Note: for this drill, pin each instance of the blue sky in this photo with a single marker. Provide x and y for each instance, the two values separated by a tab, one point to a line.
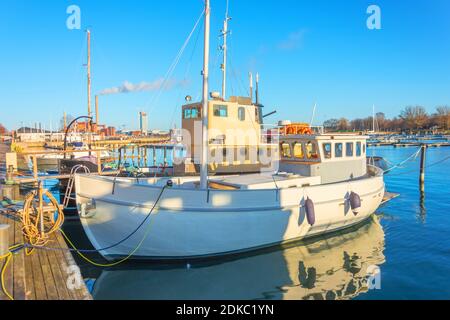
306	51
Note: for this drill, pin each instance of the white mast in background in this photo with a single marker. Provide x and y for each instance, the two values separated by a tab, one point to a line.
224	48
204	155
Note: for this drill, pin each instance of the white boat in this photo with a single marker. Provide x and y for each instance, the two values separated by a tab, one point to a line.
236	214
334	267
316	184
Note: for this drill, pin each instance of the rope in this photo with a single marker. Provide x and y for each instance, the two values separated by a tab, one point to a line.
426	167
410	158
147	232
8	258
80	252
35	230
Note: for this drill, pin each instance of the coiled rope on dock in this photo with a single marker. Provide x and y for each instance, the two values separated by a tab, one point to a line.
40	222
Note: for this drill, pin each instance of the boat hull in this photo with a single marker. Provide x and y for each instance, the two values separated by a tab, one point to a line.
188	223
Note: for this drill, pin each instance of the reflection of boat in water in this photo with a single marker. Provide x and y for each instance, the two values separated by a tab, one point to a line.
335	267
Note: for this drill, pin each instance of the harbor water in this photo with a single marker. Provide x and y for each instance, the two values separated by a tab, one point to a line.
402	253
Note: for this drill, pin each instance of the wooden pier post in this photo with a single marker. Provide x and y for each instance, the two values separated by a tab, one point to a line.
35	168
422	167
4	239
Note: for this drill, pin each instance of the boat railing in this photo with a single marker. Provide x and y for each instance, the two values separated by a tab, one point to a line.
374	171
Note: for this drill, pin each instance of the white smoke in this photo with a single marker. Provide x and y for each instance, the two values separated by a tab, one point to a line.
128	87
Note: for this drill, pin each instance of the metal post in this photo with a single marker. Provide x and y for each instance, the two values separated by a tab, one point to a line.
205	144
89	70
422	167
4	239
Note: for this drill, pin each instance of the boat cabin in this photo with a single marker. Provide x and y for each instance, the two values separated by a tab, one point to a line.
234	135
334	158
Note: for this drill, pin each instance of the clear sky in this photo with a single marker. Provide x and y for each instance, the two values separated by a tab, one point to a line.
306	51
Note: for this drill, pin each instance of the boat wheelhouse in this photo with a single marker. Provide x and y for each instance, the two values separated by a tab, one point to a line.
237	137
333	157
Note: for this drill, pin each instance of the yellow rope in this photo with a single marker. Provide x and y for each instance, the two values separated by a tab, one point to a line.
8	258
32	215
110	264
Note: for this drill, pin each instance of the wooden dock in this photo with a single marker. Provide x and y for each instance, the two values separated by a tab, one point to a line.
45	274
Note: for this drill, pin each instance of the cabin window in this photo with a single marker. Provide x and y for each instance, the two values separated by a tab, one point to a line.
311	151
257	115
327	150
364	148
194	113
358	149
286	150
298	151
220	111
187	113
245	153
191	113
349	149
338	150
241	113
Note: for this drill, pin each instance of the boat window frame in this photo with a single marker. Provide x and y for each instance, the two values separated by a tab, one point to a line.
241	113
217	110
342	150
327	155
187	113
294	144
283	155
352	149
309	155
360	149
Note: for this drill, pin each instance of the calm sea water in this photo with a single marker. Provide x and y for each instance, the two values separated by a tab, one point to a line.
408	240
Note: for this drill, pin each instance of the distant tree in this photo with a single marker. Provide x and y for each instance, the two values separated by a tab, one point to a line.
357	124
414	117
442	117
331	124
380	121
343	124
3	130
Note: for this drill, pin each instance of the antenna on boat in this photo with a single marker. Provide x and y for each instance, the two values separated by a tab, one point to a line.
89	70
204	155
224	48
313	114
250	76
257	89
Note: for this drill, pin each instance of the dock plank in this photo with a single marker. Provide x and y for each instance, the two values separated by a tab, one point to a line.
81	293
49	280
19	264
38	277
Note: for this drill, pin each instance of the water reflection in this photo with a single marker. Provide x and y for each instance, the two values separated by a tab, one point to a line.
422	214
331	268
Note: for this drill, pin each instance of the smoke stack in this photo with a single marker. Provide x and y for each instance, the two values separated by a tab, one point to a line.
65	121
96	110
250	75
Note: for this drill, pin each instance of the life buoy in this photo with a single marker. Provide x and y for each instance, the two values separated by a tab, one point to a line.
290	130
